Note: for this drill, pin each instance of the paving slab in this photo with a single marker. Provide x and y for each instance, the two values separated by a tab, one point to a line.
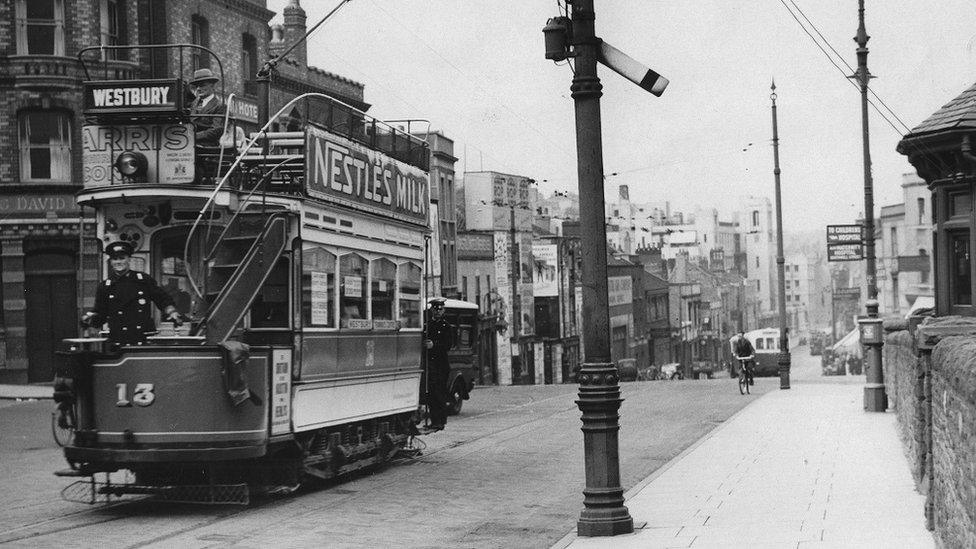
805	468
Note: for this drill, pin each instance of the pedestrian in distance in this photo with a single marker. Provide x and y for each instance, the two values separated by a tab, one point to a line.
207	110
124	300
438	340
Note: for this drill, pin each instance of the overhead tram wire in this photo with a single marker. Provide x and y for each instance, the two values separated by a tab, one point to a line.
848	65
479	86
924	148
838	67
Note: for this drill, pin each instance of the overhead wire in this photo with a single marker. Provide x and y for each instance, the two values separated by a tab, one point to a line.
838	67
848	65
922	147
478	85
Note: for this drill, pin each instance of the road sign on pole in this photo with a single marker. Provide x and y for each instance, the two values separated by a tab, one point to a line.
845	251
847	234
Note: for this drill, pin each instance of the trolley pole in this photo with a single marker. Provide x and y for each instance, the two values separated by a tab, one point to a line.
784	337
875	397
604	513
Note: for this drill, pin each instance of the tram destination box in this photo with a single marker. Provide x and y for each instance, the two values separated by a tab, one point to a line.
127	96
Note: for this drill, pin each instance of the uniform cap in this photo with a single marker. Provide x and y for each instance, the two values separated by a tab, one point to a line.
119	249
437	302
203	75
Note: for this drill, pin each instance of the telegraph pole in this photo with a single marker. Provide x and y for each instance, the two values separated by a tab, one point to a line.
604	513
784	337
875	397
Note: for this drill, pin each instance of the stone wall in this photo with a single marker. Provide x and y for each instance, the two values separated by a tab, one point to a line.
903	382
954	440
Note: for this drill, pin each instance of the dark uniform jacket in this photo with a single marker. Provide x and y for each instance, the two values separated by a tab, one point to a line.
125	302
441	333
209	127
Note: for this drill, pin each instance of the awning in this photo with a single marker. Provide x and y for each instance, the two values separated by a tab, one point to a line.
849	344
921	302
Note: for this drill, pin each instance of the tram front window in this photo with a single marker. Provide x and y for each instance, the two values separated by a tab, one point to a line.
170	271
352	275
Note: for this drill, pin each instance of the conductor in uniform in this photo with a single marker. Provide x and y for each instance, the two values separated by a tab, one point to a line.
124	300
438	340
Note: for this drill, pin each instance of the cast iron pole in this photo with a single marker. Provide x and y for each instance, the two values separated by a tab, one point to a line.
875	397
604	513
514	257
784	337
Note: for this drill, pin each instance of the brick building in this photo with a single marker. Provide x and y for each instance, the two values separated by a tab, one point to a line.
44	239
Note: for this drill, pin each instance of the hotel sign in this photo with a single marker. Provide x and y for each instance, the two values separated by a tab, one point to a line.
342	171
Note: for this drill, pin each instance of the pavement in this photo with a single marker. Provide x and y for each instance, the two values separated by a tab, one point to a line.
26	392
801	468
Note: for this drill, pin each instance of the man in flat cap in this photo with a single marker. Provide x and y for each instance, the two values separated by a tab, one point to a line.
207	110
438	340
123	300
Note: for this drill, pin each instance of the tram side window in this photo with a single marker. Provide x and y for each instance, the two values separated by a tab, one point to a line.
270	307
171	272
383	281
760	344
318	288
409	280
352	276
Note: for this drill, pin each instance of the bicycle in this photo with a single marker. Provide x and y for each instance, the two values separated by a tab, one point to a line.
743	374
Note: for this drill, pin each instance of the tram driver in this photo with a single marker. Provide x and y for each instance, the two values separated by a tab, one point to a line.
438	340
123	300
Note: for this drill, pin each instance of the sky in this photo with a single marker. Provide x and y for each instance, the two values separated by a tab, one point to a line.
476	70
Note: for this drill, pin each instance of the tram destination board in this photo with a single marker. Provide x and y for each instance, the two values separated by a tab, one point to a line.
853	251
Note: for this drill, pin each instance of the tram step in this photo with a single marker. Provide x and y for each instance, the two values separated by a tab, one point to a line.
71	473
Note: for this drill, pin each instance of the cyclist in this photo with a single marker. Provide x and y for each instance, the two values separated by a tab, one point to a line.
742	348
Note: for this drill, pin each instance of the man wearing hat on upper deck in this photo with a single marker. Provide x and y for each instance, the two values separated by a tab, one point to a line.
438	340
123	300
207	110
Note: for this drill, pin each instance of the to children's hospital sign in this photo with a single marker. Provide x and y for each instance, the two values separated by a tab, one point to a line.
345	172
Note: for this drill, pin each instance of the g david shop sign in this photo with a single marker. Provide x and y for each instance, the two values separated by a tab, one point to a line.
347	173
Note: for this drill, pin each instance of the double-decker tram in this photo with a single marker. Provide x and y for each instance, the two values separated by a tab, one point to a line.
297	259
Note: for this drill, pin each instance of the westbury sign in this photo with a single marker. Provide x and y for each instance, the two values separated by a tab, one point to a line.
345	172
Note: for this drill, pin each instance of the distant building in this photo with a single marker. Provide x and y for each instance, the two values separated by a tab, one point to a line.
442	250
756	226
904	250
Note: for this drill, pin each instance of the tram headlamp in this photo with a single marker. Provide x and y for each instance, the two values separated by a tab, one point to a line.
132	165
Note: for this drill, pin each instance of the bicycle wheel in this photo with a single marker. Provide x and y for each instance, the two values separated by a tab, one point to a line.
62	435
743	383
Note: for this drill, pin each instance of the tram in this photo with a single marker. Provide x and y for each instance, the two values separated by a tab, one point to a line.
298	259
766	343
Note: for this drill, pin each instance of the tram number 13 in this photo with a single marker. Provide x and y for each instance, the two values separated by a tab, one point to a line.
142	396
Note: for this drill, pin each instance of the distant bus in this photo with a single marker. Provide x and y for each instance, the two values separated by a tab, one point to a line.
766	343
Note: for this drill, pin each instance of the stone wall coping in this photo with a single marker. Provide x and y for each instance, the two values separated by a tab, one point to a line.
934	329
895	324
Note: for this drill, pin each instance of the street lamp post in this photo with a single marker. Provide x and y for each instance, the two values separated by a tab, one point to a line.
514	256
784	338
604	513
875	397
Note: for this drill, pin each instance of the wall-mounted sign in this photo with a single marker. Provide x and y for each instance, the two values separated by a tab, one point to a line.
844	233
38	205
845	252
244	109
118	96
914	263
545	279
620	290
845	294
168	149
345	172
